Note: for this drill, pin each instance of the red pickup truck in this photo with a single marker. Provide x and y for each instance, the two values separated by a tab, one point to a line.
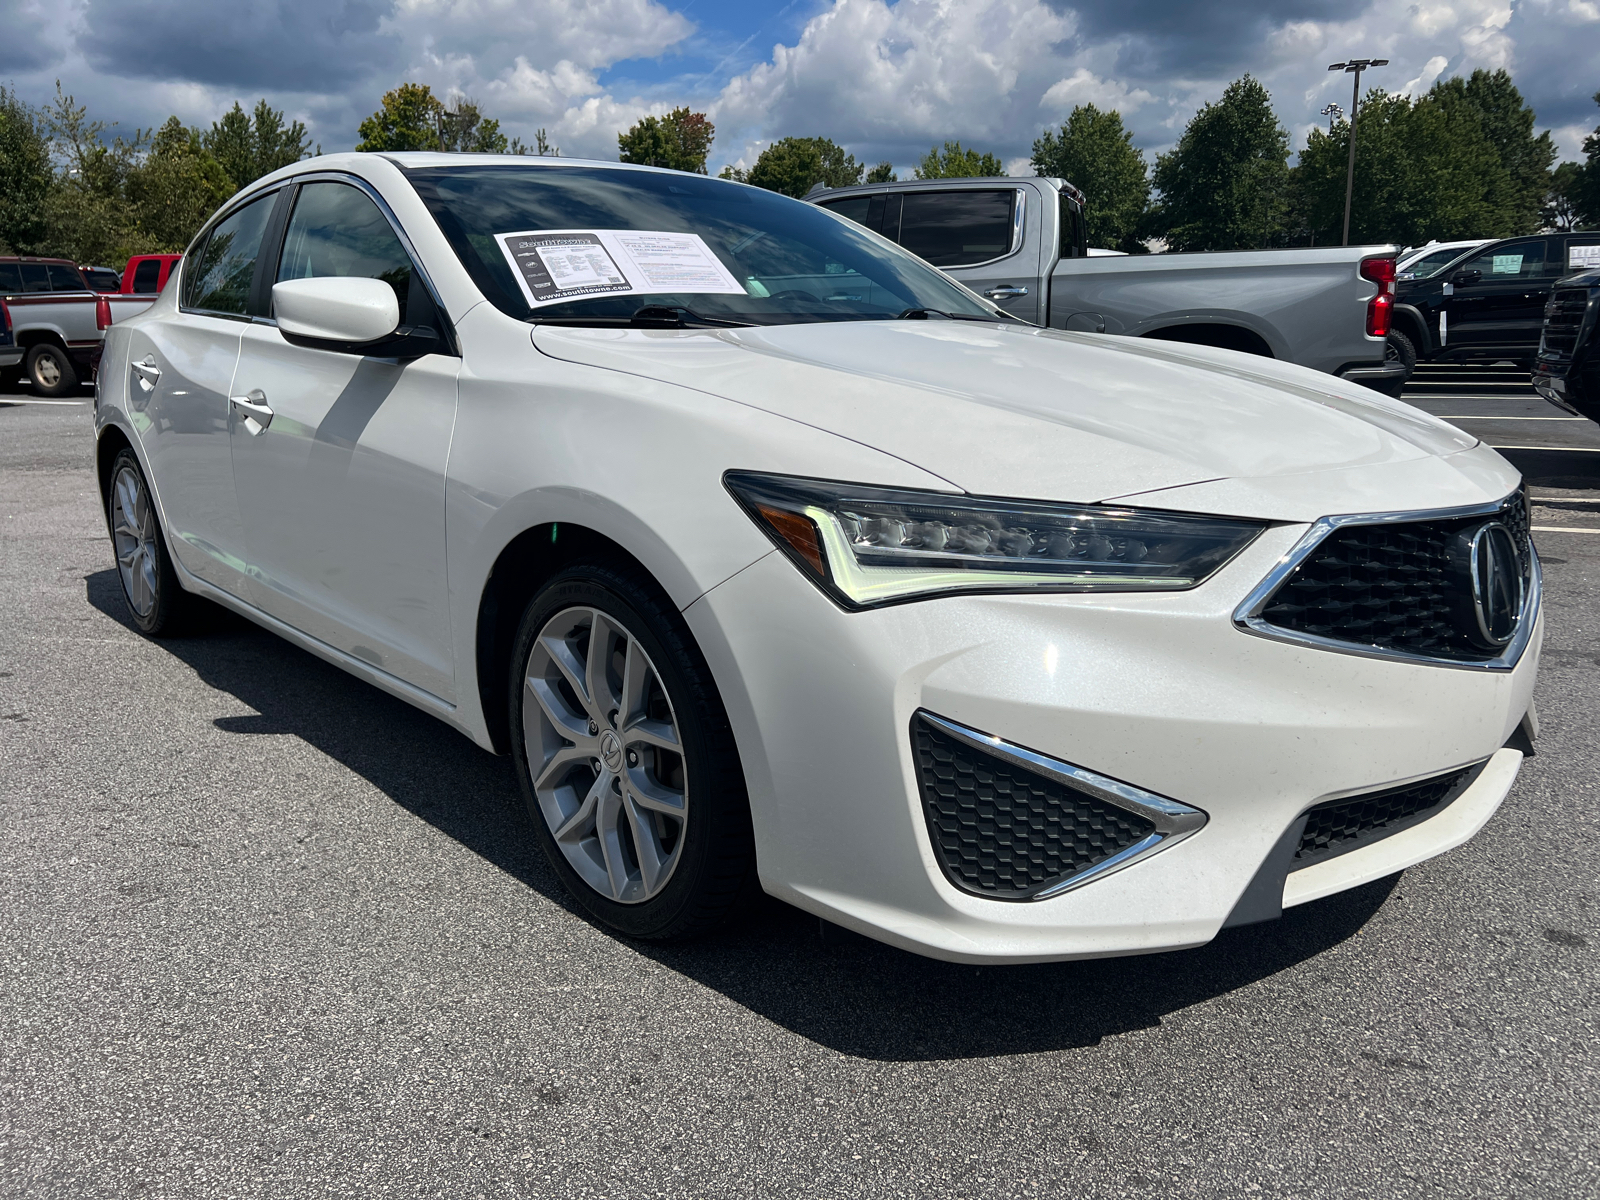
52	321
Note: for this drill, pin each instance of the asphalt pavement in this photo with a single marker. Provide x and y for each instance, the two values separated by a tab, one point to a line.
267	932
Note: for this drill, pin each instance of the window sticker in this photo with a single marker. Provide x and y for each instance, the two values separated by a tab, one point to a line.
1507	264
1581	258
555	265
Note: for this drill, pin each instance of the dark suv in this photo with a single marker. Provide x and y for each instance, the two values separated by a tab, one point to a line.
1489	303
1567	372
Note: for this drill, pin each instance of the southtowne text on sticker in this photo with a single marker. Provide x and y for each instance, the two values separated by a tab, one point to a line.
557	265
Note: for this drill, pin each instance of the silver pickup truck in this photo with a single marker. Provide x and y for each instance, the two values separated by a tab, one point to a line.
1020	242
52	322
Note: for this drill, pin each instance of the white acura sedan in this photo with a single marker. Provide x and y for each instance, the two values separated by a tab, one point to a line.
773	556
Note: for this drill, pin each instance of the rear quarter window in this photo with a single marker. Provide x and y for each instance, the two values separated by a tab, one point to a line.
147	275
10	278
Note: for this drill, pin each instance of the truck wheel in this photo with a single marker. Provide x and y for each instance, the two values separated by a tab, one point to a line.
49	369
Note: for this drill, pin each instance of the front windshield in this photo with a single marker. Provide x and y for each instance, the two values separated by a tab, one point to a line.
735	253
1425	265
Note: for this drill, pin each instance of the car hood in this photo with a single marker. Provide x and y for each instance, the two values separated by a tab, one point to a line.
1026	412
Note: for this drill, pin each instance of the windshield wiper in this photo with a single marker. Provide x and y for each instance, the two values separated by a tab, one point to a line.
925	314
651	316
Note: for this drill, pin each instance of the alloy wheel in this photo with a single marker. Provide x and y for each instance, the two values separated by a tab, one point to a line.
133	529
605	754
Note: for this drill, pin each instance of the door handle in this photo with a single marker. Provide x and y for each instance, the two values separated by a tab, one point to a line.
253	410
147	372
1006	291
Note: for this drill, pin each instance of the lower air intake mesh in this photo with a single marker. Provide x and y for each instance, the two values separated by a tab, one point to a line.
1002	831
1343	825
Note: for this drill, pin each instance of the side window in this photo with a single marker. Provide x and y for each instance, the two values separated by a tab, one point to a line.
1508	262
1072	229
228	262
146	275
336	229
35	278
956	229
863	210
10	278
65	279
1583	254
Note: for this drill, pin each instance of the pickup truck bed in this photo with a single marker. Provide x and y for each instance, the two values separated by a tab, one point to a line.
1019	242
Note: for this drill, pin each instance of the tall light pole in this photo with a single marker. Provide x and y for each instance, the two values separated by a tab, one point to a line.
1356	66
1333	112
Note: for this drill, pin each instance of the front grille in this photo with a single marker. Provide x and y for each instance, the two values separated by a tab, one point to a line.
1394	586
1344	825
1007	833
1563	317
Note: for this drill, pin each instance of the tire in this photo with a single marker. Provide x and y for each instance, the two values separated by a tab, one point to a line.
157	603
1398	348
608	778
49	368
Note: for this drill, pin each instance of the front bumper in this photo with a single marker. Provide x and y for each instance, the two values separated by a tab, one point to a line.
1159	691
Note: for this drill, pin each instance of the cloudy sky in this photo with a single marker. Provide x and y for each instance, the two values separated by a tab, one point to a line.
884	79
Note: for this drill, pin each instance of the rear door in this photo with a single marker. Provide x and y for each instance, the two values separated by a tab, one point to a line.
342	492
1503	308
181	368
977	236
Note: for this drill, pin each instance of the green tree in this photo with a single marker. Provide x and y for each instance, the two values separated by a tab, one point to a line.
1223	186
883	173
407	119
250	146
1096	153
1563	206
1507	122
681	140
1585	188
1424	169
87	214
26	175
178	185
795	165
954	162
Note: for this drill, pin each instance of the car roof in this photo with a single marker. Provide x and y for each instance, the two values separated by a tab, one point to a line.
61	262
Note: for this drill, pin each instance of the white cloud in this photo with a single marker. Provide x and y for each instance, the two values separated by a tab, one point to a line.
1431	70
1083	86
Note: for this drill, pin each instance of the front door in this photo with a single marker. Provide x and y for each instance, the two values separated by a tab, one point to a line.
180	375
1498	305
341	491
975	235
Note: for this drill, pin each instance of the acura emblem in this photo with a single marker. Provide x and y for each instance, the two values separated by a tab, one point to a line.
1497	584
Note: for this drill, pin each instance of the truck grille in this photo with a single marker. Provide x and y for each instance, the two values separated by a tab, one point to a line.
1393	586
1007	833
1563	317
1344	825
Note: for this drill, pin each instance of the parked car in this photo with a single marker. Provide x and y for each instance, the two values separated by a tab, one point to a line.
146	274
58	320
1567	371
770	553
1489	304
1422	261
102	279
1020	242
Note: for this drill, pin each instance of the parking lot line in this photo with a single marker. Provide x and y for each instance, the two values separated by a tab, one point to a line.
1562	529
1470	417
14	400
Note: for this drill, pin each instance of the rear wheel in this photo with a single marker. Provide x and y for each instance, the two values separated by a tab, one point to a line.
156	600
49	368
626	758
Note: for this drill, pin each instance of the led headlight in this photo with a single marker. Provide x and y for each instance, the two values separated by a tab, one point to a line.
869	545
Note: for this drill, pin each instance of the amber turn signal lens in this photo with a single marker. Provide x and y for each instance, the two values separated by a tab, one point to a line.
799	532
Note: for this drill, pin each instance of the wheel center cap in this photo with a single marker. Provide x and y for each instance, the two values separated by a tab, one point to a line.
611	751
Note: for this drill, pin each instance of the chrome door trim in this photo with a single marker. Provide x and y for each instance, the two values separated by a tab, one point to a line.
1247	616
1173	821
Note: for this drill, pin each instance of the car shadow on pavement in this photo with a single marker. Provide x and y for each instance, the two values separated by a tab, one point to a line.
843	991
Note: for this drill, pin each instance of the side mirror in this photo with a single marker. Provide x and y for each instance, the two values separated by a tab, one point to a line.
336	309
1466	278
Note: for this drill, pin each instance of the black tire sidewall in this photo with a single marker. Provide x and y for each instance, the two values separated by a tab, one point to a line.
1407	351
69	372
717	845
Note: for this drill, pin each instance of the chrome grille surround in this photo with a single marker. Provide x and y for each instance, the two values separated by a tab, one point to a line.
1248	616
1154	821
